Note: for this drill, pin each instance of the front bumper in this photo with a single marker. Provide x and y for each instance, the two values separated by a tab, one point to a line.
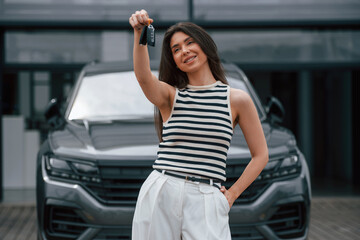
281	212
70	212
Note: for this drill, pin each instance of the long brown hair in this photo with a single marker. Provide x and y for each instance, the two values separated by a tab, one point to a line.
168	71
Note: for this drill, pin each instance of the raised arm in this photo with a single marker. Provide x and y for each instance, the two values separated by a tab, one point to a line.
248	119
157	92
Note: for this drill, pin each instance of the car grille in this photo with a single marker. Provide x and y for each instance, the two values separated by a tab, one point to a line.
245	233
114	234
64	222
289	221
120	185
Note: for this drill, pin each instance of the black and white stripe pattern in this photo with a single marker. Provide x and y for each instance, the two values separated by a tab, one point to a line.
197	136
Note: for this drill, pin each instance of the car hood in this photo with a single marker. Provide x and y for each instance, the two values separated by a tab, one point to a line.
129	140
105	140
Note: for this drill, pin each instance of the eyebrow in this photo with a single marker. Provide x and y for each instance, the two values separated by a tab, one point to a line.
175	45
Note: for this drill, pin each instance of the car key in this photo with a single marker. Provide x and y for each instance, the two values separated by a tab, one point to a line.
148	35
143	36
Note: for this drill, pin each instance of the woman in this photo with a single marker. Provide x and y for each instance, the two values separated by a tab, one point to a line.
183	197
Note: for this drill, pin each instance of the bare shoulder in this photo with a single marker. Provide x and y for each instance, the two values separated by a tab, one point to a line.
239	97
241	103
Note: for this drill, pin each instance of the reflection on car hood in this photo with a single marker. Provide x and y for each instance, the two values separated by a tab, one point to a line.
105	141
128	140
280	142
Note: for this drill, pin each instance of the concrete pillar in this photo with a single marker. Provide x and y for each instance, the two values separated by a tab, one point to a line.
13	154
2	61
31	147
342	126
305	109
338	122
355	128
20	152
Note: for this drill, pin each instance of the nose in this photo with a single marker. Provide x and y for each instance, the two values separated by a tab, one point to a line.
185	50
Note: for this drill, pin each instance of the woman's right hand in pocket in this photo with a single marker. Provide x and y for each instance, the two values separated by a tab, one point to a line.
139	20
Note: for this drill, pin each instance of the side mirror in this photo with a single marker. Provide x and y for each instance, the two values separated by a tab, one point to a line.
274	110
53	114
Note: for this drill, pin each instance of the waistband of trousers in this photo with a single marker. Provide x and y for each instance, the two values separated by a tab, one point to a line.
191	178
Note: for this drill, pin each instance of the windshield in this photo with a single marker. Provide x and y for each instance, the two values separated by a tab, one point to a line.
118	96
111	96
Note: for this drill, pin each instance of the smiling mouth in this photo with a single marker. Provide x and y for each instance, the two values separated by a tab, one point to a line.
190	59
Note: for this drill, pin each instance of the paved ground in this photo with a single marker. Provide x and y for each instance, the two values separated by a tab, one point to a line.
332	218
18	222
335	218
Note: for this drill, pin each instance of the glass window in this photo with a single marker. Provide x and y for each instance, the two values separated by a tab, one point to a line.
114	96
52	47
41	91
289	46
110	96
92	10
72	47
267	10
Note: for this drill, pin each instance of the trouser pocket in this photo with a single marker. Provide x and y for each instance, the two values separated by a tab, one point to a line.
218	196
223	200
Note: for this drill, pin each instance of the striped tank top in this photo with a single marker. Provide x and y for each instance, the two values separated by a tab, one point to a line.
197	135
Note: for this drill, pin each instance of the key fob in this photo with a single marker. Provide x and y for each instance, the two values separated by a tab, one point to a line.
143	36
150	35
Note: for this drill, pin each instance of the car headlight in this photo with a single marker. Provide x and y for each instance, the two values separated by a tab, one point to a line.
58	164
289	161
72	170
84	168
281	168
289	165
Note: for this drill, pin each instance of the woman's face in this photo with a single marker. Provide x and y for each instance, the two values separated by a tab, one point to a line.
187	54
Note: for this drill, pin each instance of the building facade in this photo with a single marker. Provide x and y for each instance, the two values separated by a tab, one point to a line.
304	53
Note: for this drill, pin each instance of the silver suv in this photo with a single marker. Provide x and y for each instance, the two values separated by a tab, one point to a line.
101	147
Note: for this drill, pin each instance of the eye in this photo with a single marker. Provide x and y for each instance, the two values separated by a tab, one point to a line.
176	50
190	42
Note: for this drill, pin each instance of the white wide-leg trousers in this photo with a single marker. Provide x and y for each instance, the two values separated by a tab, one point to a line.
170	208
